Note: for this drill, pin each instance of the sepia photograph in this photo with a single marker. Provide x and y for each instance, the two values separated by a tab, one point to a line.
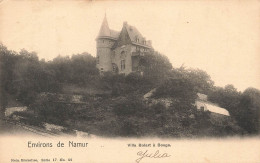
157	77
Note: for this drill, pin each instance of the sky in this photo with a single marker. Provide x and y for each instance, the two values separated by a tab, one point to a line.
220	37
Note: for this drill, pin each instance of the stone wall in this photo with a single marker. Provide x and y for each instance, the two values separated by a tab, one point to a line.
124	53
104	54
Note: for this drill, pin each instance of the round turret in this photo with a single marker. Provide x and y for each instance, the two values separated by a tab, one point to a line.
104	52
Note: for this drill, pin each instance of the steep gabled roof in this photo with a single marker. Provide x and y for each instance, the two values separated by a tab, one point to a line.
129	34
114	33
134	33
123	38
135	37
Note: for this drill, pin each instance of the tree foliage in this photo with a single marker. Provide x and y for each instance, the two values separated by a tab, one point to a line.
24	76
155	66
244	107
248	112
227	97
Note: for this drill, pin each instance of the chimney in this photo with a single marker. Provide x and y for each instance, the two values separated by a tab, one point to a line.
125	23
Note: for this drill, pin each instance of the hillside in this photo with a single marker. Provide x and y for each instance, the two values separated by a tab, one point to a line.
114	105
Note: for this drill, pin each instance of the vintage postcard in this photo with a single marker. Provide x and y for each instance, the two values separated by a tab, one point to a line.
129	81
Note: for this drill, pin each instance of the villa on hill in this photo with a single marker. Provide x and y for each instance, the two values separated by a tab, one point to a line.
120	52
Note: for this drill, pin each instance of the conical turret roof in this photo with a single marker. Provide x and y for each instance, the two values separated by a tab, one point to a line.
104	30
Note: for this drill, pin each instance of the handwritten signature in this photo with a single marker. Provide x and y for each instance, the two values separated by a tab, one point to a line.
147	154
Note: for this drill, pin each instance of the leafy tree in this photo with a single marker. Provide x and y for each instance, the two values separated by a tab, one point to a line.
155	66
248	112
245	107
200	79
79	69
84	68
23	75
227	97
62	69
180	89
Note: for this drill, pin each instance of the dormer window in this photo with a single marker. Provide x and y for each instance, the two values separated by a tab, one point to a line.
136	39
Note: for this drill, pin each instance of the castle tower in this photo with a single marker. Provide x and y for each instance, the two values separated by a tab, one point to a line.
104	42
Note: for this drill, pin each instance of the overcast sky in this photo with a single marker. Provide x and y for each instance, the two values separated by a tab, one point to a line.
219	37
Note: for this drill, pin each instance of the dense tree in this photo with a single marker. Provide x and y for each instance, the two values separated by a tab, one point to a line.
244	107
199	79
248	112
78	69
227	97
23	76
155	66
6	66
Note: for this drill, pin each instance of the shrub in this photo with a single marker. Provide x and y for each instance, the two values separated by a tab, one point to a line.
128	106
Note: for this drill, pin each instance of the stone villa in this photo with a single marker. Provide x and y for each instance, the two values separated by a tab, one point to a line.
120	52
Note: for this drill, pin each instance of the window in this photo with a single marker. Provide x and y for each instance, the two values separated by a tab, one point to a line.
122	64
122	55
115	70
136	39
101	71
97	59
202	108
103	41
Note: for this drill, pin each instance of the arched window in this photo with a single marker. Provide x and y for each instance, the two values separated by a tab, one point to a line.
122	64
122	54
115	69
